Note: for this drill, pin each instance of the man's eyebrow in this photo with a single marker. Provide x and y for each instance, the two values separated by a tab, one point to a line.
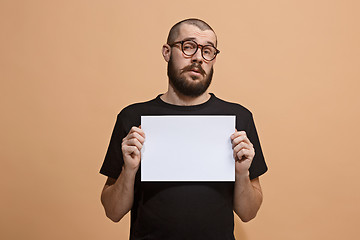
192	38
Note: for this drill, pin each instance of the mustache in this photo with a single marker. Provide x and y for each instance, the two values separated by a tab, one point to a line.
192	66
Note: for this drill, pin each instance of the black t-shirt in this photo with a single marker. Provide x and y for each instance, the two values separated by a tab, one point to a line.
181	210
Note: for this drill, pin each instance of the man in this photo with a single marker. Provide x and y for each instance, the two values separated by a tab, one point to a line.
183	210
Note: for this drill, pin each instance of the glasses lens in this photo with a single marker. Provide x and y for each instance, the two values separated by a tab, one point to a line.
209	52
189	47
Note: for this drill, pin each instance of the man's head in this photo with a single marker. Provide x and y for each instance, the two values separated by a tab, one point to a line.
175	30
190	73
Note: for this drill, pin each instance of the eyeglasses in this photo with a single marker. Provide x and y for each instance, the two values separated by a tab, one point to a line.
190	47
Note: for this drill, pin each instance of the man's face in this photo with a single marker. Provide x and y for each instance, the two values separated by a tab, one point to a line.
191	75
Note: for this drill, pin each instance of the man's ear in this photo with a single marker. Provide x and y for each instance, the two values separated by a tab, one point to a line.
166	52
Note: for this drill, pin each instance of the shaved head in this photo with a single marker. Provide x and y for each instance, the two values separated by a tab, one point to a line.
174	31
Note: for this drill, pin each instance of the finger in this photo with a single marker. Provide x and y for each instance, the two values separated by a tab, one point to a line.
133	142
242	145
237	134
243	154
240	139
135	135
128	150
239	156
137	130
246	153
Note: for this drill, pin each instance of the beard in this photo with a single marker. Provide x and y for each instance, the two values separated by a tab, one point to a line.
186	87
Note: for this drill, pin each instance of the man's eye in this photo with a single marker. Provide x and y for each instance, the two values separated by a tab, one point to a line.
208	51
188	46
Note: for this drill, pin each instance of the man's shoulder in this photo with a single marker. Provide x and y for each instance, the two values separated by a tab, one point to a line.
137	107
233	106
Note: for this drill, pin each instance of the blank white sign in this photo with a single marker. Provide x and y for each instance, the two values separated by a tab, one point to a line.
187	148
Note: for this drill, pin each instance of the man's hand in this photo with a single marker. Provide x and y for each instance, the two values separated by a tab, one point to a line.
117	196
131	148
243	153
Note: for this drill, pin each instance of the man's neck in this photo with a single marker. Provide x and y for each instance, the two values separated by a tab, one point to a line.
176	98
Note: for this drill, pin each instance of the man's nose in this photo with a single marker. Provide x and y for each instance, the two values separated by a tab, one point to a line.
197	57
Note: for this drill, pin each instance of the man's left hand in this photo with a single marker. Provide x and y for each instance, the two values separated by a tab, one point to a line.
243	153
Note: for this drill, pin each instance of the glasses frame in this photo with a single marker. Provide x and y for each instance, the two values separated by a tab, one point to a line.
197	47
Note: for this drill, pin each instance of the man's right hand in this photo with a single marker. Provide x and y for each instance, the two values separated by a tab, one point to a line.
117	196
131	148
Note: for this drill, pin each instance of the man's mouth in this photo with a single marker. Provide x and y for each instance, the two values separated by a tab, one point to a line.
194	69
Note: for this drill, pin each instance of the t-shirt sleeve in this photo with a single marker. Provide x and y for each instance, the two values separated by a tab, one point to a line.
258	165
114	161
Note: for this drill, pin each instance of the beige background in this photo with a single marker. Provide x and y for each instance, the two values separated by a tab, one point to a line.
68	67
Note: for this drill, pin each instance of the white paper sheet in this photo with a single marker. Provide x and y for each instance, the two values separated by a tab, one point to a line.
187	148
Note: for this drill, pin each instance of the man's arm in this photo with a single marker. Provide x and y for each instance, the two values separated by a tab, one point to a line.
247	193
117	195
247	197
